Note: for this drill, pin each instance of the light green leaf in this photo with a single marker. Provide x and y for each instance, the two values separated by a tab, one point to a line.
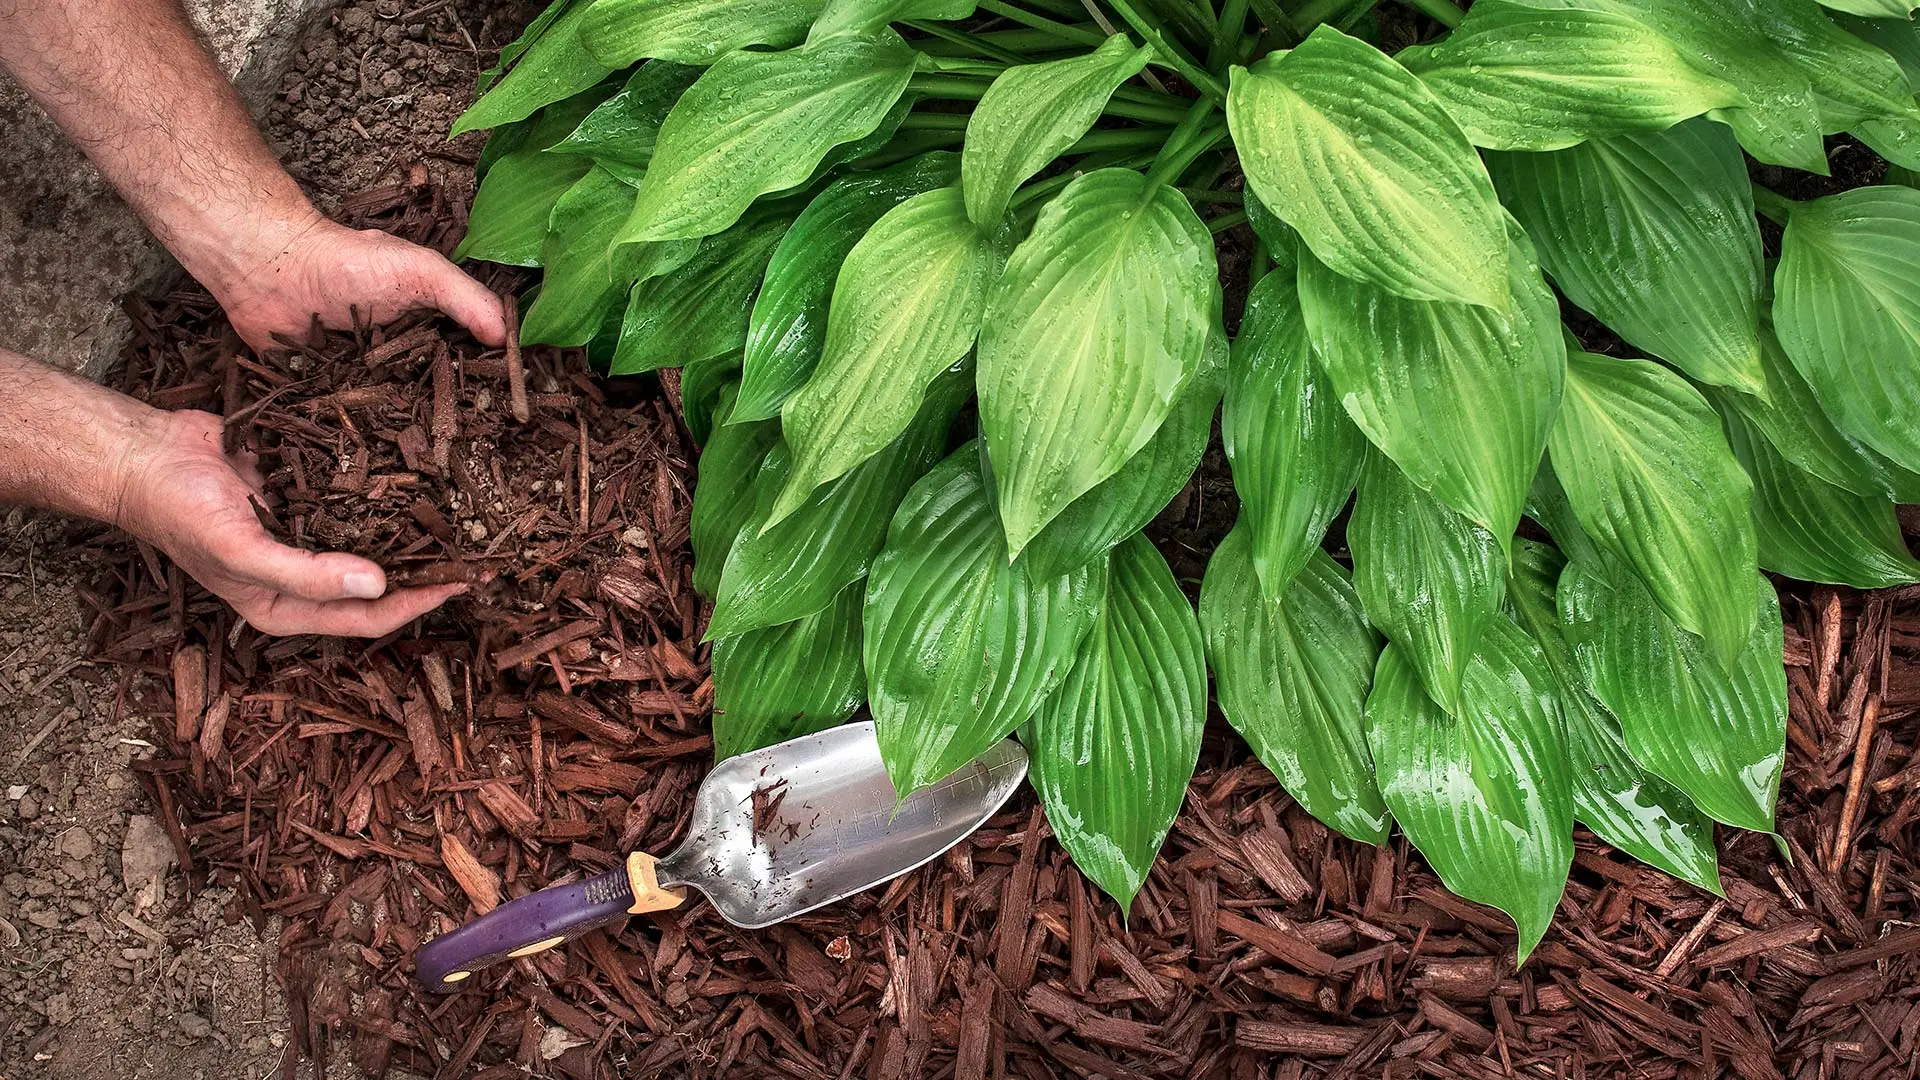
1031	114
555	67
1130	499
1460	397
786	681
1519	77
1873	9
619	32
1811	530
1114	746
1654	234
1294	453
1720	738
907	306
761	122
1101	319
623	128
700	309
1793	422
518	47
784	571
1429	579
841	17
1847	310
1293	678
961	644
1485	794
1357	154
579	288
508	221
788	328
1623	804
1651	479
723	499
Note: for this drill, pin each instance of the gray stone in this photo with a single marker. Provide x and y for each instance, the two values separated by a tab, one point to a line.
69	248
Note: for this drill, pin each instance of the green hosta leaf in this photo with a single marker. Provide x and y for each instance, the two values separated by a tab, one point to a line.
961	644
907	306
723	499
1357	154
1031	114
623	128
518	47
762	122
700	385
1852	80
1293	679
786	681
1847	310
555	67
841	17
1547	505
579	288
1873	9
1720	738
1623	804
619	32
1654	234
1295	455
1279	237
1114	746
1651	479
700	309
1101	319
785	571
1895	138
1430	579
1811	530
1130	499
1485	794
1798	428
508	221
788	327
1519	77
1460	397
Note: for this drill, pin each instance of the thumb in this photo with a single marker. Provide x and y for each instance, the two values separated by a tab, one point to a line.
307	575
465	300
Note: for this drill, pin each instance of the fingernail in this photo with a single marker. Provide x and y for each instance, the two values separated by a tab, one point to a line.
363	584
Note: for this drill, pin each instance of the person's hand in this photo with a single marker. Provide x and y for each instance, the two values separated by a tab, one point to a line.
179	492
294	271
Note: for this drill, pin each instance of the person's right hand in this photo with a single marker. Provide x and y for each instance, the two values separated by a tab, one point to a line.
181	493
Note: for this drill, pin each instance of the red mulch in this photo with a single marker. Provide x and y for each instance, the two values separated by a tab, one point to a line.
372	795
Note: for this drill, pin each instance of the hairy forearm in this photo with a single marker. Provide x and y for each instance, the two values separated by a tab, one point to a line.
65	443
131	83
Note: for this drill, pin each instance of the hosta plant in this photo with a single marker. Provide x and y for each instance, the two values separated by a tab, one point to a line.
941	282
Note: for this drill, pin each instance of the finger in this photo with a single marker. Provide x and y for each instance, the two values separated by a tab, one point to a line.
319	577
286	615
468	302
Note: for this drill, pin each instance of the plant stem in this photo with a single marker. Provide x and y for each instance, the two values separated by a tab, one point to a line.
1040	189
1221	224
1441	11
1185	144
1225	198
1278	22
1121	139
935	121
958	87
1257	266
965	65
1041	22
1314	12
1227	34
1172	55
906	146
1772	205
971	42
1022	42
1063	8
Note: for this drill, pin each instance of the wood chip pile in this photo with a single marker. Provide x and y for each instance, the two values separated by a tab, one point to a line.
371	795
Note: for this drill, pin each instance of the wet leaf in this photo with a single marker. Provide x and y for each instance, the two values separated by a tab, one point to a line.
786	681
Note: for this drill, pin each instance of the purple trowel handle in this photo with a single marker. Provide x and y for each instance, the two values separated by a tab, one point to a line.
534	923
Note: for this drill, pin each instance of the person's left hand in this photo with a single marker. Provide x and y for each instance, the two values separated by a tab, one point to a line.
319	267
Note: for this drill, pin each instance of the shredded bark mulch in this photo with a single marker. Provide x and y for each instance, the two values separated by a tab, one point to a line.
372	795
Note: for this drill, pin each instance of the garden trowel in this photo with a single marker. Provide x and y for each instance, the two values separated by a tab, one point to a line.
775	832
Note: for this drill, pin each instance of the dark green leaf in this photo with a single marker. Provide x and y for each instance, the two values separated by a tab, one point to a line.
1873	9
1100	321
1293	678
1357	154
1460	397
1654	234
788	327
785	571
624	127
1649	475
1114	746
786	681
1720	738
1295	455
723	499
579	288
961	644
700	386
619	32
1429	579
1485	794
700	309
555	67
508	221
762	122
1623	804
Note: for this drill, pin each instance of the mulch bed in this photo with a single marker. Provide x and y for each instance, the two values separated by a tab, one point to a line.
373	795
